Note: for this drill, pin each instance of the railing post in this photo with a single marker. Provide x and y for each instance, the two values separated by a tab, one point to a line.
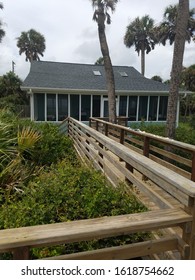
21	253
122	136
146	149
193	167
97	124
106	129
146	152
89	122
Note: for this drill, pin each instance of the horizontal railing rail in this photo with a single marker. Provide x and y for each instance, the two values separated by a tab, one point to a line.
177	156
19	241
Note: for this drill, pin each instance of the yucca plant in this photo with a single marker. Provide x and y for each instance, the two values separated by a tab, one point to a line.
14	153
26	138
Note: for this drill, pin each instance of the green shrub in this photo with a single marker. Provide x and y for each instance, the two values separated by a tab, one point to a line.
66	193
53	146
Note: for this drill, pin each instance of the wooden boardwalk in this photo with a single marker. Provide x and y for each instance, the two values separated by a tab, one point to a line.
169	196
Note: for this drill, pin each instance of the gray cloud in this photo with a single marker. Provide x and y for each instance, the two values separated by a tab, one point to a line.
72	36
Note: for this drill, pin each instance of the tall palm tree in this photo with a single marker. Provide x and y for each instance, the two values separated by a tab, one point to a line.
2	32
101	16
32	43
141	34
167	28
179	46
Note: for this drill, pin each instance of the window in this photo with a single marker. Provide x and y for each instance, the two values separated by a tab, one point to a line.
74	106
123	106
39	107
62	107
153	108
96	105
162	115
123	74
132	112
85	107
51	107
143	106
97	73
105	112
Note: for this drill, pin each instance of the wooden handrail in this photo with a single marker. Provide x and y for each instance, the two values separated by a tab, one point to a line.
166	158
178	144
68	232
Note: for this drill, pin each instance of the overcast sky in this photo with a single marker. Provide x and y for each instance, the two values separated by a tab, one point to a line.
71	35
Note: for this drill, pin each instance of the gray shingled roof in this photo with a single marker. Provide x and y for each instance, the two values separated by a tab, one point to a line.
51	75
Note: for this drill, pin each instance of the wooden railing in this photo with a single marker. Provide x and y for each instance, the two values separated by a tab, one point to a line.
118	163
177	156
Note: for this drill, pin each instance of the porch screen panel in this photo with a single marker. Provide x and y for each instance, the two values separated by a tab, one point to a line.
132	112
74	106
162	115
153	108
123	106
39	107
85	107
62	106
143	105
51	107
96	105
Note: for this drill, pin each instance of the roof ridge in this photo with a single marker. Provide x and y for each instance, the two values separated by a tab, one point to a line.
78	63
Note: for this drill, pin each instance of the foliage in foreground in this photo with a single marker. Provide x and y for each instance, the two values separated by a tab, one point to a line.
65	193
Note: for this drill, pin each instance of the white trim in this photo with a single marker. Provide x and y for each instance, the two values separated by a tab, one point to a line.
91	109
56	107
137	113
158	104
148	108
45	94
127	109
79	107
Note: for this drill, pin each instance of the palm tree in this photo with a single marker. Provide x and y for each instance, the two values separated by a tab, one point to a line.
101	15
141	34
100	61
32	43
179	45
2	32
167	28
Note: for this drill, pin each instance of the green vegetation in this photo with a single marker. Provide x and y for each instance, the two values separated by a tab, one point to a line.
184	132
42	181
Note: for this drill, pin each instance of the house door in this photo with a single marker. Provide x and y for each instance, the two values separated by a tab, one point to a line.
105	108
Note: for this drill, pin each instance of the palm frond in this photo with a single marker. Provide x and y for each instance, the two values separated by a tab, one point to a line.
27	138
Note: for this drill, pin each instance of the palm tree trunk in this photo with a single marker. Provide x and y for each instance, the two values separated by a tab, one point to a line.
179	45
108	71
143	61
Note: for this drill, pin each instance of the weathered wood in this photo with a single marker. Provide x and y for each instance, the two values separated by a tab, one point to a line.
193	167
170	155
179	187
158	139
171	166
124	252
21	253
68	232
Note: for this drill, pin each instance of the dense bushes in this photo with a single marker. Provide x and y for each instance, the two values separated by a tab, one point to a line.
66	193
50	185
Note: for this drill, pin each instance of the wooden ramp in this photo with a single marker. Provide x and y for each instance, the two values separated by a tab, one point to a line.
169	196
155	185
